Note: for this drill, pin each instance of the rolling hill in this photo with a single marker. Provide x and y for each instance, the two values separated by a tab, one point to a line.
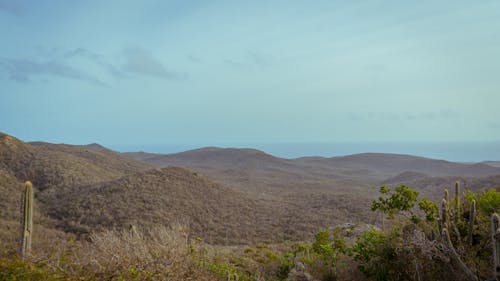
387	165
254	170
80	189
227	195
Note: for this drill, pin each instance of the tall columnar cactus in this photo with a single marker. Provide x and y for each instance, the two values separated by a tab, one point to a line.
27	219
468	274
472	216
444	213
456	211
495	234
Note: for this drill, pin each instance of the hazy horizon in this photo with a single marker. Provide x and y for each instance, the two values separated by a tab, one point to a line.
259	72
450	151
456	152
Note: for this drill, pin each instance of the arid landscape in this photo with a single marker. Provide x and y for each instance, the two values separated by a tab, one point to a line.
226	197
172	140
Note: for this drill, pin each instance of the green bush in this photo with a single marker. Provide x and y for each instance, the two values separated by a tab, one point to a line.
14	269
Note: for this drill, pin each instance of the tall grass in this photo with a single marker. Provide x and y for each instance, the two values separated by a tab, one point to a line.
160	253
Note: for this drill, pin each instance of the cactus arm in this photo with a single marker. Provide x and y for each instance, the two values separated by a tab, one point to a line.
456	212
456	258
444	214
472	216
495	234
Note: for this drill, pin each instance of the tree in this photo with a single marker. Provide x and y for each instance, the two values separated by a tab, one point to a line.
403	199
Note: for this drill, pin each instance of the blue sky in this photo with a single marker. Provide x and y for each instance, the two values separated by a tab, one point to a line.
211	72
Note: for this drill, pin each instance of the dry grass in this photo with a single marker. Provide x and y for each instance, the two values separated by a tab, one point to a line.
161	253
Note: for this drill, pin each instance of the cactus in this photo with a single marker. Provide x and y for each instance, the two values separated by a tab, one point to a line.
472	215
444	213
495	234
469	275
456	211
27	220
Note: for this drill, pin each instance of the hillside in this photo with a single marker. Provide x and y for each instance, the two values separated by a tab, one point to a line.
254	171
433	187
162	196
228	196
387	165
492	163
80	189
249	169
10	216
59	165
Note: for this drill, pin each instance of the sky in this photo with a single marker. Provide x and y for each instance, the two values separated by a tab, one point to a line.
125	73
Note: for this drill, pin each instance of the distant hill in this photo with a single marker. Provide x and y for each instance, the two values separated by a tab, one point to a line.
492	163
387	165
260	169
433	187
253	170
214	157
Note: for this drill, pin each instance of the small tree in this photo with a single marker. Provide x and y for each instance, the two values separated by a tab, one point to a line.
330	250
402	200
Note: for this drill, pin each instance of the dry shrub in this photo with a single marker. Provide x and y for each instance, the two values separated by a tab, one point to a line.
159	253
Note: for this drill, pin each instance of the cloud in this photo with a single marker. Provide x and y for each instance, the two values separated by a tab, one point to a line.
23	70
96	58
142	62
194	58
12	7
259	58
72	63
250	60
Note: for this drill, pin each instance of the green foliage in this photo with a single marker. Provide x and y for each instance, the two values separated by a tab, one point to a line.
402	199
489	201
228	272
429	208
16	269
372	254
329	250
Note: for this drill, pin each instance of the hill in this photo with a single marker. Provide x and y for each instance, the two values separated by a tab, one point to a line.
80	189
384	165
51	168
228	195
492	163
255	170
162	196
60	165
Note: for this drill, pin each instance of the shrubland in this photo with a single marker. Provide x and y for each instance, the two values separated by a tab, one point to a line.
420	240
